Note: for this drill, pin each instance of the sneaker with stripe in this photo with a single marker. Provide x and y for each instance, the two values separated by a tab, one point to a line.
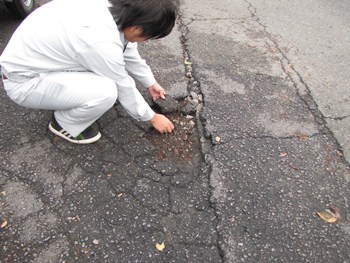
89	135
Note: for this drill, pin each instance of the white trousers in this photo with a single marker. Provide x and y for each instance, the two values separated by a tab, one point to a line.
78	98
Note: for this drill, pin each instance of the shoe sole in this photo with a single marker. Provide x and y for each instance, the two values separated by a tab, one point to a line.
87	141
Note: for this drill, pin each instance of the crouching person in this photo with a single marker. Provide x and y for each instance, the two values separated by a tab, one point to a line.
77	57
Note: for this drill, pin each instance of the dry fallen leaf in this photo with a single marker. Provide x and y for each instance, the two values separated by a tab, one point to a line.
303	137
329	215
283	154
293	167
4	224
160	246
109	175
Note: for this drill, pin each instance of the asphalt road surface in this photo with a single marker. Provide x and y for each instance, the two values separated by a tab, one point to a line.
242	178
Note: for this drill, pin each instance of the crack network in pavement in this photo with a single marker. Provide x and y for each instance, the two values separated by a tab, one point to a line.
205	142
307	98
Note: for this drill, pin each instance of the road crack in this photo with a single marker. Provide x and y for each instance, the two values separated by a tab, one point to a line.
205	144
303	90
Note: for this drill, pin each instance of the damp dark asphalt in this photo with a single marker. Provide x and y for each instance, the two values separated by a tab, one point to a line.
251	162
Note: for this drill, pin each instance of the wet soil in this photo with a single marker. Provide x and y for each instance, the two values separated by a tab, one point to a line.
182	145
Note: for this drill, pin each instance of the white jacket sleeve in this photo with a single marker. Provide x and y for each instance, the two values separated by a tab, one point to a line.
106	59
137	67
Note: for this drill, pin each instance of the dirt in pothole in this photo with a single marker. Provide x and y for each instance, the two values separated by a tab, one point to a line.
182	145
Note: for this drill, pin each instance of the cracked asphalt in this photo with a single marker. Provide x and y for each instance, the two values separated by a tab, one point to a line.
261	145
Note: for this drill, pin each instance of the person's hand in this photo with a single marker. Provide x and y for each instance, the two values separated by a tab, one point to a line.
156	91
162	123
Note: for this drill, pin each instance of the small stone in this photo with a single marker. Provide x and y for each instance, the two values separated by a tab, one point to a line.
188	109
194	95
196	83
46	239
189	74
168	105
192	123
217	139
95	242
195	102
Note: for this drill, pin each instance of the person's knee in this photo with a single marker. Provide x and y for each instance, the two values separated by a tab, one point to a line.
109	93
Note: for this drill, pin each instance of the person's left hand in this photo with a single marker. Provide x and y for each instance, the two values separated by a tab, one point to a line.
156	91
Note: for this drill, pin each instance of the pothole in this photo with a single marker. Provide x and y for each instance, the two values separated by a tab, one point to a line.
182	145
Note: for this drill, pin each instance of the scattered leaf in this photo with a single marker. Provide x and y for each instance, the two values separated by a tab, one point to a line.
329	215
293	167
188	62
120	195
160	246
95	242
3	193
4	224
109	175
335	211
303	137
283	154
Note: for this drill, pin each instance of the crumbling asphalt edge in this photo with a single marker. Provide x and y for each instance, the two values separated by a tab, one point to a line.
205	139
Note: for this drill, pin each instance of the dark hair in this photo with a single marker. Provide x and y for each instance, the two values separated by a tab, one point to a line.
156	17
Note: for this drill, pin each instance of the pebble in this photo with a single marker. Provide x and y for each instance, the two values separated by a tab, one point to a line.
195	102
194	95
196	83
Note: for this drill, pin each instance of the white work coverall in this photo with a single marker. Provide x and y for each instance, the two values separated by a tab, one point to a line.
69	56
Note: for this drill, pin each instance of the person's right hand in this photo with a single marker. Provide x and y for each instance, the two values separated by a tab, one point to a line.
162	123
156	91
